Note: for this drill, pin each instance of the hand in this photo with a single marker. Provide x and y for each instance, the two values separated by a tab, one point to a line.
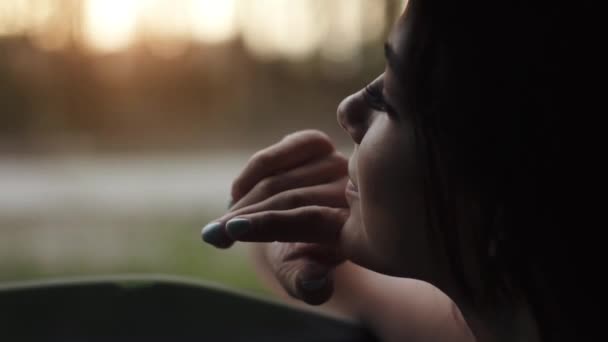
291	195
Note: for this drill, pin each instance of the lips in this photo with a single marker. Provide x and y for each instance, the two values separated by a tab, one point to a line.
351	191
352	186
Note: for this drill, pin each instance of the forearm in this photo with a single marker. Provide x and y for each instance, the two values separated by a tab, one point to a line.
396	309
337	306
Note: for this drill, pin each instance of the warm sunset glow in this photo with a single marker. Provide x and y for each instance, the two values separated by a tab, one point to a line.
13	16
295	29
213	21
110	25
344	37
292	28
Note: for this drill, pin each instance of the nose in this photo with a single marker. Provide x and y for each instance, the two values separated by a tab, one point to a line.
353	116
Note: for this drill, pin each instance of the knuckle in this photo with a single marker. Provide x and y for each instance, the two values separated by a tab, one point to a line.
286	274
235	187
260	158
314	213
256	161
316	135
269	218
268	186
294	199
314	138
321	140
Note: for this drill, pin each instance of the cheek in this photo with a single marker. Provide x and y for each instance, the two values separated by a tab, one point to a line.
392	202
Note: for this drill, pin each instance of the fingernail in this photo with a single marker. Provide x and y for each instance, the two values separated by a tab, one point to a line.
237	227
313	284
212	233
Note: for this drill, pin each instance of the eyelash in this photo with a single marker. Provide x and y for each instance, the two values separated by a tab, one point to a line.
375	99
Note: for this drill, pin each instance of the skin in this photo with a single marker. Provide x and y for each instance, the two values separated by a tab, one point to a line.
307	234
352	234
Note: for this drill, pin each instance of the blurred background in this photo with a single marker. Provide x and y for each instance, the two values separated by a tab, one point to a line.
123	122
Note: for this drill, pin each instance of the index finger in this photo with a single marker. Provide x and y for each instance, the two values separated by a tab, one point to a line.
313	224
294	150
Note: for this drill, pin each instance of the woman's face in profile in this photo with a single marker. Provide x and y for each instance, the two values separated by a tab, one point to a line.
387	230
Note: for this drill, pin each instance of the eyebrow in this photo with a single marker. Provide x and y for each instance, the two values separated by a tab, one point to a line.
393	62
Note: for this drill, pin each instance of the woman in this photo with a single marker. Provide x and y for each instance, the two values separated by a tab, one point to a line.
452	182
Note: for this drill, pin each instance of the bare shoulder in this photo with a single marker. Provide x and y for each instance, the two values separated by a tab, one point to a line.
397	309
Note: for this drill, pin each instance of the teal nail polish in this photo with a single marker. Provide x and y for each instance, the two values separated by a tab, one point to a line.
313	284
213	234
237	227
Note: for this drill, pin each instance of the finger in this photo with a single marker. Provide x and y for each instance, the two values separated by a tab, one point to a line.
304	270
293	150
326	195
306	224
215	234
329	195
306	280
325	170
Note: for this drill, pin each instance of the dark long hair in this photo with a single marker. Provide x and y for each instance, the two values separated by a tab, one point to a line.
494	86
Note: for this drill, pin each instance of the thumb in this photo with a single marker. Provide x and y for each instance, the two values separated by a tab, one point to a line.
307	280
304	270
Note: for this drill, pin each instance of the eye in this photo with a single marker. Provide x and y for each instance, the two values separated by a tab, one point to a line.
373	96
